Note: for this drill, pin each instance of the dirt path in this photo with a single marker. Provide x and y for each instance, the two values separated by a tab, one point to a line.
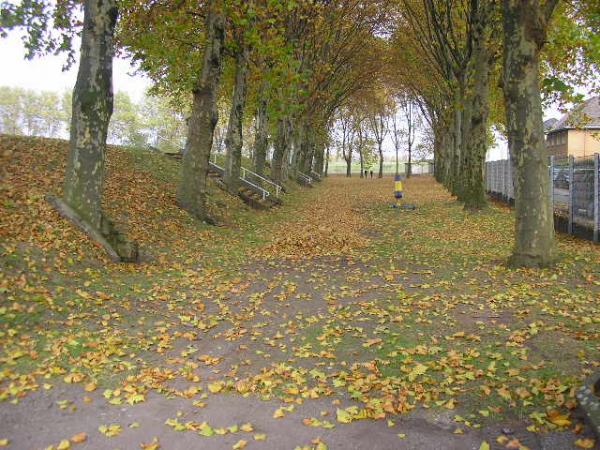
382	330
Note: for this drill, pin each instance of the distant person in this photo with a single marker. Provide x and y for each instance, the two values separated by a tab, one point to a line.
371	174
366	174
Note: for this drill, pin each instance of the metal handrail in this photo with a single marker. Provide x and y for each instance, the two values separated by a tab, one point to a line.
264	192
216	165
266	180
305	177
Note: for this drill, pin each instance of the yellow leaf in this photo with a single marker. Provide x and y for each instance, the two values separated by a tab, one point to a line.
110	430
371	342
240	444
90	387
343	416
260	437
484	446
4	442
450	404
154	445
419	369
79	438
206	430
561	420
74	377
585	443
215	387
63	445
247	427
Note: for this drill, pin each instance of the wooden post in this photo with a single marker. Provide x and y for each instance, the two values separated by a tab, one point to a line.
571	192
596	197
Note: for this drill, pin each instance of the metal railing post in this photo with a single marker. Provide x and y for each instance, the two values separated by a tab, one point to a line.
596	197
571	192
552	184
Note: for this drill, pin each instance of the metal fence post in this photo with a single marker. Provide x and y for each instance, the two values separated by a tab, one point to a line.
571	192
504	190
596	197
511	183
552	185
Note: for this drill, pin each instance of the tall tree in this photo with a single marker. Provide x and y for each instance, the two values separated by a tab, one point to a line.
191	192
525	28
234	137
51	27
379	124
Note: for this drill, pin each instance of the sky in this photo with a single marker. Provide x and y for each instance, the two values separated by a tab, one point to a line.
45	74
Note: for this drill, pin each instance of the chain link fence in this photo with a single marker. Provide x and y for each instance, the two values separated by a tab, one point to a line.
574	192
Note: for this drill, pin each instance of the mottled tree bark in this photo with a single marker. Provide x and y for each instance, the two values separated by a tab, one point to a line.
308	150
380	150
92	108
457	140
234	137
326	171
262	130
280	144
191	192
91	111
525	24
473	183
319	159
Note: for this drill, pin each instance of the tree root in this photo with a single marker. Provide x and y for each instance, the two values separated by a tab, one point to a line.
119	248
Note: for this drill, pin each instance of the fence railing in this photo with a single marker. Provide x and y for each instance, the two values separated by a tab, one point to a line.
263	185
574	191
389	168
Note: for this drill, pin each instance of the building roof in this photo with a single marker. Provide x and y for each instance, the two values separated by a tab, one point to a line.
585	115
549	124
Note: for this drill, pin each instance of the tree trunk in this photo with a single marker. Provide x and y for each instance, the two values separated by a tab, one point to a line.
362	162
349	167
326	172
457	140
319	159
524	34
473	192
380	149
409	165
279	146
262	130
92	108
91	111
234	138
191	192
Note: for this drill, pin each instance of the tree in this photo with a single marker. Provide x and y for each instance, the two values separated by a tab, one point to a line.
11	110
379	123
412	120
126	125
234	136
92	108
525	29
50	28
191	193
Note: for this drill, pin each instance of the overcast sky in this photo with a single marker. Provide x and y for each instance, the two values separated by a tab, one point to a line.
46	74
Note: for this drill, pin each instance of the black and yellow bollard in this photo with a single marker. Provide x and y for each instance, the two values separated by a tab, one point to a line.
399	195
